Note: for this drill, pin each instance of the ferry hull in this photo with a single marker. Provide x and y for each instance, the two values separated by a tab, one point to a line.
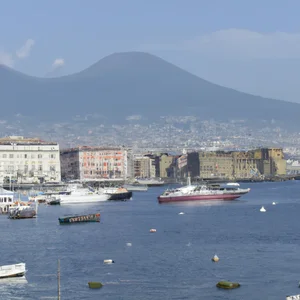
162	199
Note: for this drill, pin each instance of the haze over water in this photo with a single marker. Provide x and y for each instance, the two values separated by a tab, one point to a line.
258	250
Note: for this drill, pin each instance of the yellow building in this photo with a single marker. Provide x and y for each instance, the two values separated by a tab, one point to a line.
245	164
165	165
216	164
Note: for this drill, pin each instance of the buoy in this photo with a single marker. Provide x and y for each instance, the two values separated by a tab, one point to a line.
129	244
108	261
152	230
95	285
181	213
215	258
228	285
262	209
274	203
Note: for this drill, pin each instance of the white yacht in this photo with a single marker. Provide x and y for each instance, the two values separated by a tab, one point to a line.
80	195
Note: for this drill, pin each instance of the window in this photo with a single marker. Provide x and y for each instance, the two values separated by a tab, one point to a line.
11	156
40	168
25	155
52	168
40	155
4	155
52	155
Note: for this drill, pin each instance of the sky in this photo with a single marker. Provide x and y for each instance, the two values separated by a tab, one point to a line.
252	46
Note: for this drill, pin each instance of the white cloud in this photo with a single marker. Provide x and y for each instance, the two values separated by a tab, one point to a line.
25	50
237	43
58	63
6	59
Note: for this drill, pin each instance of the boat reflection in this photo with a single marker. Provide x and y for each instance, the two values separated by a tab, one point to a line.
13	281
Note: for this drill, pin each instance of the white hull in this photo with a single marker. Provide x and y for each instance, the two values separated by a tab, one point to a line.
16	270
74	199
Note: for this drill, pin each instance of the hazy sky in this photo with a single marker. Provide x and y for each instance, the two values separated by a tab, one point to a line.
253	46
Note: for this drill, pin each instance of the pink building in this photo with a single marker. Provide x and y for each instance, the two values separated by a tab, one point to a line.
94	163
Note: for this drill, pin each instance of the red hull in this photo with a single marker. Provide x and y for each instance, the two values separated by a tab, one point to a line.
199	197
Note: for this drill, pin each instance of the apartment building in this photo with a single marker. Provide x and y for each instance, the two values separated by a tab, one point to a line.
95	163
29	160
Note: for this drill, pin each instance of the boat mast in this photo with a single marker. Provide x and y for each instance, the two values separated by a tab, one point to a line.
58	280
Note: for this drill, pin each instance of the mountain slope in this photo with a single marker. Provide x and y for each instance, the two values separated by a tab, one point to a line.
134	83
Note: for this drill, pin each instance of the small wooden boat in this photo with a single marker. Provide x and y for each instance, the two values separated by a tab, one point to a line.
228	285
17	270
80	219
95	285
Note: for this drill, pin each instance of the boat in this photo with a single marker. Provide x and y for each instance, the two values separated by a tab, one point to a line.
115	193
6	200
203	192
136	187
80	195
227	285
23	210
53	201
150	181
16	270
95	285
80	219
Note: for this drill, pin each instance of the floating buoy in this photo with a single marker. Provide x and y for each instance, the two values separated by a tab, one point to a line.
274	203
95	285
215	258
228	285
181	213
108	261
129	244
262	209
152	230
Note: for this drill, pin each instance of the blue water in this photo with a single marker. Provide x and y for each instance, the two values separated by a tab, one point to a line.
261	251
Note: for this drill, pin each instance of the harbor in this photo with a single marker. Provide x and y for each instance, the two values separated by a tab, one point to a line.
140	234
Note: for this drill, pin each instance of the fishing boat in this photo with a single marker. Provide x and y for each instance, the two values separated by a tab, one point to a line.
79	219
203	192
23	210
16	270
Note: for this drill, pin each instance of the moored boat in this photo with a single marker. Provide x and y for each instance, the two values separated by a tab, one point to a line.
150	181
53	201
16	270
80	195
80	218
116	193
203	192
23	210
135	187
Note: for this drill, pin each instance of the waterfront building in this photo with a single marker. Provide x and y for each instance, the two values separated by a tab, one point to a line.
28	160
86	163
245	165
216	164
166	166
143	167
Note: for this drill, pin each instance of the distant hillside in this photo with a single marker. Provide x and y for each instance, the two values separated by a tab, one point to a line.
134	83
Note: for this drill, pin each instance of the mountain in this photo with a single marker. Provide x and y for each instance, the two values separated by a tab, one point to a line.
134	83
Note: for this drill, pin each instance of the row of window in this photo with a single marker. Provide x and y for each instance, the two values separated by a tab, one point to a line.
5	155
25	168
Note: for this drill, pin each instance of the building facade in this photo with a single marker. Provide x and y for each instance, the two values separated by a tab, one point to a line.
29	160
95	163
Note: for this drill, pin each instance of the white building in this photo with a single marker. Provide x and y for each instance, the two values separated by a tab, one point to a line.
29	160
